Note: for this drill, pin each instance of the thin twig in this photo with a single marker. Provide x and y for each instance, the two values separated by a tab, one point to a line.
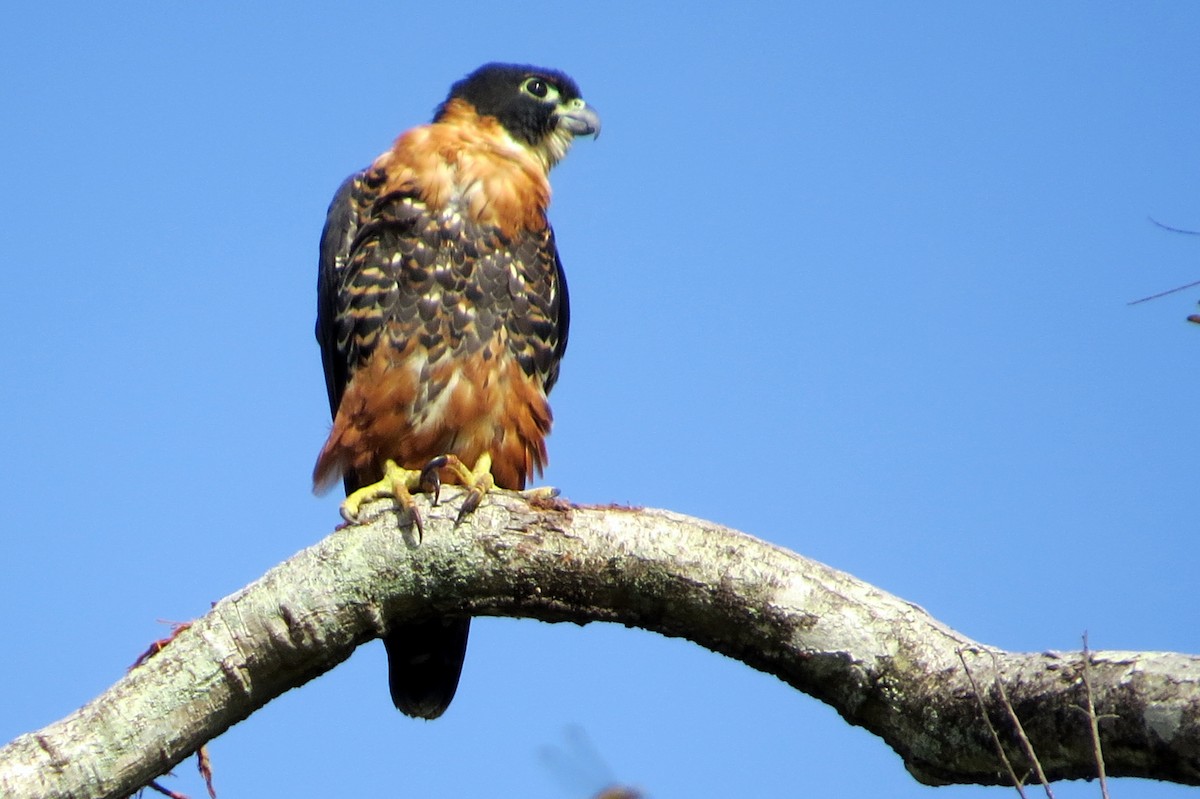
1174	229
1094	722
1178	288
995	735
154	786
1024	739
1164	293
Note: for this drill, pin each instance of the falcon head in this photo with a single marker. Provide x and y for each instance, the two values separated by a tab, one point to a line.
539	108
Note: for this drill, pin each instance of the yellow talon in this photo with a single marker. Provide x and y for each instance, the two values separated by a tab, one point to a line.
397	483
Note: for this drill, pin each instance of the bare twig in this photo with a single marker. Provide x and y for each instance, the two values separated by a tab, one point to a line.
1093	721
1177	288
1164	293
1174	229
154	786
1020	730
1016	781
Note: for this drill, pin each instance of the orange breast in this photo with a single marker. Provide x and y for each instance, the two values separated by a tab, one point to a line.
470	159
401	407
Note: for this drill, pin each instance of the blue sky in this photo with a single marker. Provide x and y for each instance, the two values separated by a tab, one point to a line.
849	277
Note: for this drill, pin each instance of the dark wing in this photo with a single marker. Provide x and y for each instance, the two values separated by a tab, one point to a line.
563	314
534	302
341	226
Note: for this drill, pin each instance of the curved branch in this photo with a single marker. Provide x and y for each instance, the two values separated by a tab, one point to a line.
883	663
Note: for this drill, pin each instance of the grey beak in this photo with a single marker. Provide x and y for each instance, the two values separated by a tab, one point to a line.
582	121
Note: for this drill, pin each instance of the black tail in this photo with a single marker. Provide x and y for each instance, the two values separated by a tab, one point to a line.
424	661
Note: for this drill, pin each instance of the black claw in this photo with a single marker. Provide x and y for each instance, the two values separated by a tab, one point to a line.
470	503
411	516
430	480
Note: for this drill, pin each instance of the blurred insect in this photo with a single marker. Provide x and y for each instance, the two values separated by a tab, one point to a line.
578	767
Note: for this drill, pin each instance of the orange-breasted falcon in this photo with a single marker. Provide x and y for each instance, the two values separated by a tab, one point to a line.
442	316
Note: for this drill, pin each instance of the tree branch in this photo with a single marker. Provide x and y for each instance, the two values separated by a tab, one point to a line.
883	663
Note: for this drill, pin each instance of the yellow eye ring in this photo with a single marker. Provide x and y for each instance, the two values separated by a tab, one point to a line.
539	88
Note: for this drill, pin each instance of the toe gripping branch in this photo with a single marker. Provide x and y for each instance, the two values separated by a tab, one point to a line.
399	484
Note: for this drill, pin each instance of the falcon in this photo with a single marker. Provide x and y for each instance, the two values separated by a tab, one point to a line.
442	316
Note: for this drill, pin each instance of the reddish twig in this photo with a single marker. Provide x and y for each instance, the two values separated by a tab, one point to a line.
203	762
176	628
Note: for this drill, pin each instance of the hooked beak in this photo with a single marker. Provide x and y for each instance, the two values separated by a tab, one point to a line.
580	119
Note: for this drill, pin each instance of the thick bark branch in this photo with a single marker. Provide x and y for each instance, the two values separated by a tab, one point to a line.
883	663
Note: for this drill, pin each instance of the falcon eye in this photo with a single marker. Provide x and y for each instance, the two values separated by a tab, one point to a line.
538	87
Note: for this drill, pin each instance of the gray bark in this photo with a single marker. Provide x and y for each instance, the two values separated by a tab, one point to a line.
883	663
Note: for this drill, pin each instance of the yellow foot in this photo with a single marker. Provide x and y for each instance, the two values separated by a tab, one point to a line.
478	481
398	483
